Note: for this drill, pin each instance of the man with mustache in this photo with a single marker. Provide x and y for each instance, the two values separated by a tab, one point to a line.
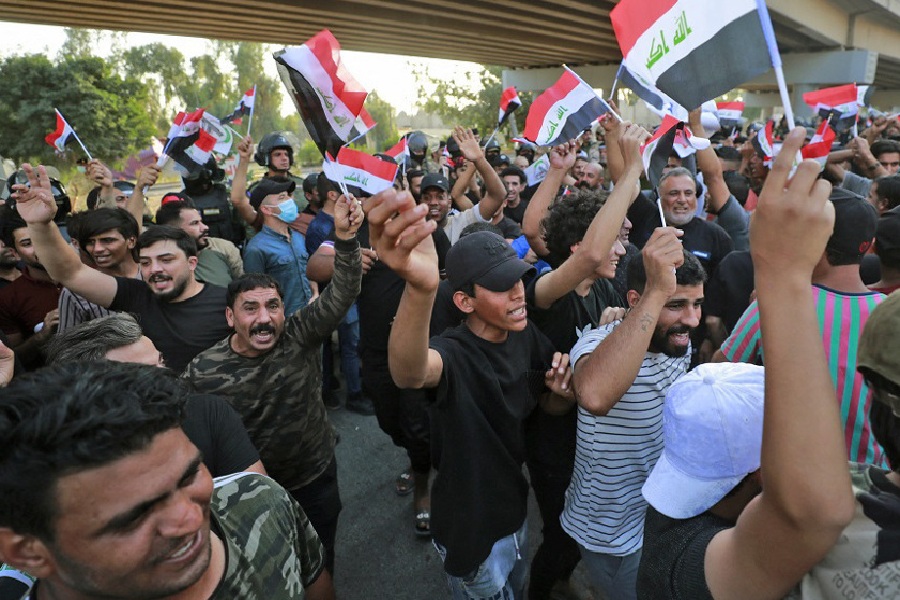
181	315
270	370
622	372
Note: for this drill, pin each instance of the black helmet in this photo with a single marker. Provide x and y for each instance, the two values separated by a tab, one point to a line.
63	202
201	181
417	143
491	147
453	147
272	141
525	147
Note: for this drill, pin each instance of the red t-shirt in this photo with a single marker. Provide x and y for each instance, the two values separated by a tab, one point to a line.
25	302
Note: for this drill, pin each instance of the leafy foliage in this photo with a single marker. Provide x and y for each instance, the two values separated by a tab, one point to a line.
471	102
106	110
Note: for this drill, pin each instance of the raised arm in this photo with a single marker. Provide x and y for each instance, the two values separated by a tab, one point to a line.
495	191
404	244
465	173
562	158
603	230
239	184
708	164
37	207
102	176
804	505
615	162
603	376
147	178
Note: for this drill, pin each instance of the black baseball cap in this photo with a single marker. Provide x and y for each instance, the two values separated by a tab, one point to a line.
486	259
854	224
268	186
435	180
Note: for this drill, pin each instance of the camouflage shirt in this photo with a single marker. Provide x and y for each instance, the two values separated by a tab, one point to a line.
272	551
279	394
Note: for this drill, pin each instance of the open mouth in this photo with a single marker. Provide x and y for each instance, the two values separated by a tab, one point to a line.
187	551
520	312
680	339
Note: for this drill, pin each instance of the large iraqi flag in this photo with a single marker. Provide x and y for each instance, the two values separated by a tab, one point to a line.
694	50
326	95
563	111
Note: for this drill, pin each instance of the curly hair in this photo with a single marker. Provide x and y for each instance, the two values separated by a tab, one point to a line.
568	221
73	417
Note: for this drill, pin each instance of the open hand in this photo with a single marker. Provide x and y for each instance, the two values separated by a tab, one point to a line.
468	143
401	236
35	202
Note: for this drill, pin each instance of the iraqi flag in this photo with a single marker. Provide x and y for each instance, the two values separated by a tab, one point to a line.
730	113
656	100
244	107
353	168
837	105
563	111
61	135
671	136
537	171
399	151
223	135
364	122
189	144
326	95
764	144
694	50
509	102
819	146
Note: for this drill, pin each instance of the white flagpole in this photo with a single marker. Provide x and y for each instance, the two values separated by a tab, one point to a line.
362	135
252	108
496	129
75	133
662	216
231	129
775	56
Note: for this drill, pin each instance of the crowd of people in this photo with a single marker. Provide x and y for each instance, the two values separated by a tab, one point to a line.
705	409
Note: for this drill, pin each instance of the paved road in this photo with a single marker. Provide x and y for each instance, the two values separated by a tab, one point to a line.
378	553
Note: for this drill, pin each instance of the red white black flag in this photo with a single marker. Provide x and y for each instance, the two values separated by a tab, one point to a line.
326	95
509	102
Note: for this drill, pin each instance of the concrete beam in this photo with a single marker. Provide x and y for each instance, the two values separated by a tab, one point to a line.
823	68
887	100
538	80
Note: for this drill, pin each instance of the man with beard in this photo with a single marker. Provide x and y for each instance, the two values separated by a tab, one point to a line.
102	495
218	260
28	305
622	372
108	236
9	265
180	314
270	370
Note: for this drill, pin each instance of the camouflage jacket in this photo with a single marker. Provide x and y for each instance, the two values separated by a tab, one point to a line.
272	550
279	394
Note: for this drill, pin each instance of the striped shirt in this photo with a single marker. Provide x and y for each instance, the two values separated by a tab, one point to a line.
615	453
841	317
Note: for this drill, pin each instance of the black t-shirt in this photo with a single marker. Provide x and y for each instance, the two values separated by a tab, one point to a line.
218	432
518	213
551	438
380	296
672	561
180	330
486	390
704	239
727	294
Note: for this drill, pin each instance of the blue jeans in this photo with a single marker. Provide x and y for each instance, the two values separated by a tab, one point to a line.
348	342
500	577
615	576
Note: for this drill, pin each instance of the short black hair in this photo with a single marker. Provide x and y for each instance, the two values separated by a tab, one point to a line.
159	233
568	220
738	185
884	147
888	189
170	212
71	417
325	185
689	273
412	174
250	281
9	222
95	222
514	171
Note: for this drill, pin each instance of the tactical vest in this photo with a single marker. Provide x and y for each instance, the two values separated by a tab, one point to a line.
216	210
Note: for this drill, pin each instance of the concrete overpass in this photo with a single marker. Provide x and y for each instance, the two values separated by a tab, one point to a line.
823	42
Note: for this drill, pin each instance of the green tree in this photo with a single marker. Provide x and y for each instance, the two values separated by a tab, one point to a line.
472	101
107	111
385	134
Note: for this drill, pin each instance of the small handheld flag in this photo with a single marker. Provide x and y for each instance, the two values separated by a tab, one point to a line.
60	136
509	102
